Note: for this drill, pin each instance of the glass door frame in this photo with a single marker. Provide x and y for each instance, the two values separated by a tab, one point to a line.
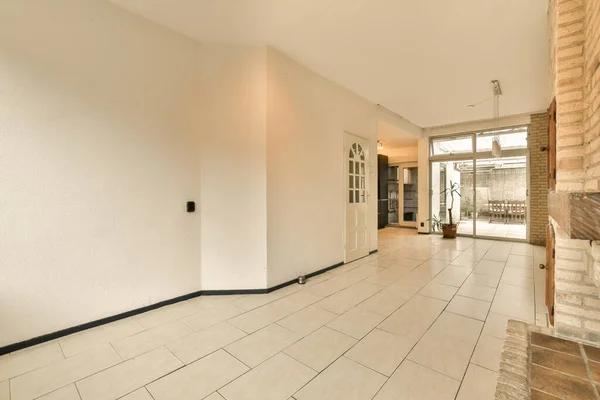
474	156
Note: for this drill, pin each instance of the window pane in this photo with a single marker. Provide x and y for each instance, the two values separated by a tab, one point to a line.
350	182
362	182
351	167
351	154
509	139
362	196
362	168
351	196
357	184
356	165
452	145
356	196
359	149
354	147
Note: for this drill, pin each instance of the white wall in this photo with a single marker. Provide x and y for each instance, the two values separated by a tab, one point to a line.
98	156
402	154
307	118
234	167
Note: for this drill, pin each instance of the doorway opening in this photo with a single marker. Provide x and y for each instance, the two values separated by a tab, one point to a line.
403	194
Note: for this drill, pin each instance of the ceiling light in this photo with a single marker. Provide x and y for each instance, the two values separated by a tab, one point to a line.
379	145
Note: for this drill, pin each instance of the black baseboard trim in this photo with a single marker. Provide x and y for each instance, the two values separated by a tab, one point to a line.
102	321
423	233
229	292
373	251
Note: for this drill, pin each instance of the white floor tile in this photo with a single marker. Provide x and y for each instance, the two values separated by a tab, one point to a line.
479	384
199	344
343	380
275	379
345	299
65	393
489	268
307	320
457	327
414	318
495	325
468	307
488	352
517	261
86	340
261	345
482	280
438	291
4	391
478	292
215	396
253	301
320	348
415	382
128	376
389	300
151	339
443	354
12	365
381	351
63	372
140	394
356	322
199	379
211	316
452	276
166	314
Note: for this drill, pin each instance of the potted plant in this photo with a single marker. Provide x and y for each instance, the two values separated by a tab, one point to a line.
449	229
436	223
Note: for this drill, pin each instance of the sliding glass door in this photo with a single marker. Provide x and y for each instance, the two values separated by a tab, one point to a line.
493	186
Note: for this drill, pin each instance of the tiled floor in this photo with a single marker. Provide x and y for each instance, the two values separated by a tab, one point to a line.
422	319
495	229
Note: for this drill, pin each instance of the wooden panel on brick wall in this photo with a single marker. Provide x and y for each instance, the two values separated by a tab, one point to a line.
552	145
577	213
550	285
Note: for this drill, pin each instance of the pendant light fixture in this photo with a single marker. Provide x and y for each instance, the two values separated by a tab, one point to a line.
496	148
379	145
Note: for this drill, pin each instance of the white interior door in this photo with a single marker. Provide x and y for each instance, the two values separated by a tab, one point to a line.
357	173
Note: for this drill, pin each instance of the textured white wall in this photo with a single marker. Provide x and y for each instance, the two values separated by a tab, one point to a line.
98	155
307	118
234	168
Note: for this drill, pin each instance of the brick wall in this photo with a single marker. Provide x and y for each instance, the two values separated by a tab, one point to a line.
591	93
538	181
575	80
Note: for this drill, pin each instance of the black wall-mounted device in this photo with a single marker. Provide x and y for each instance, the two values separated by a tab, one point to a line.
191	206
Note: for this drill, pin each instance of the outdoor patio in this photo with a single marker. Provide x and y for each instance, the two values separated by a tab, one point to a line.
494	229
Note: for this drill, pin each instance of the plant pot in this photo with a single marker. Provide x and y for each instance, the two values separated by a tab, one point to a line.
449	231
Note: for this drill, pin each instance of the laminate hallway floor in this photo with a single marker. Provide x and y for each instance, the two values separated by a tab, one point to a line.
424	318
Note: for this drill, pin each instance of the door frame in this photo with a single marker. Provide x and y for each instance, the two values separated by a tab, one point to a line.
367	150
401	196
474	156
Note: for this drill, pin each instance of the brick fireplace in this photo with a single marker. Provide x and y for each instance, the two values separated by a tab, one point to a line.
574	204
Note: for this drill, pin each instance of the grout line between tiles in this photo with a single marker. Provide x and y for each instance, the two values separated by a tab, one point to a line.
588	371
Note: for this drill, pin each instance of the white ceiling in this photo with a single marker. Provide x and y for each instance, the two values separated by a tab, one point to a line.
423	59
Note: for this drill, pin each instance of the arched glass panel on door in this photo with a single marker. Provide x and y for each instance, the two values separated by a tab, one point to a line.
357	190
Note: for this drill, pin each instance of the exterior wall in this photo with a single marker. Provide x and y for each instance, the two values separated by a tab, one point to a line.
575	56
591	115
538	181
